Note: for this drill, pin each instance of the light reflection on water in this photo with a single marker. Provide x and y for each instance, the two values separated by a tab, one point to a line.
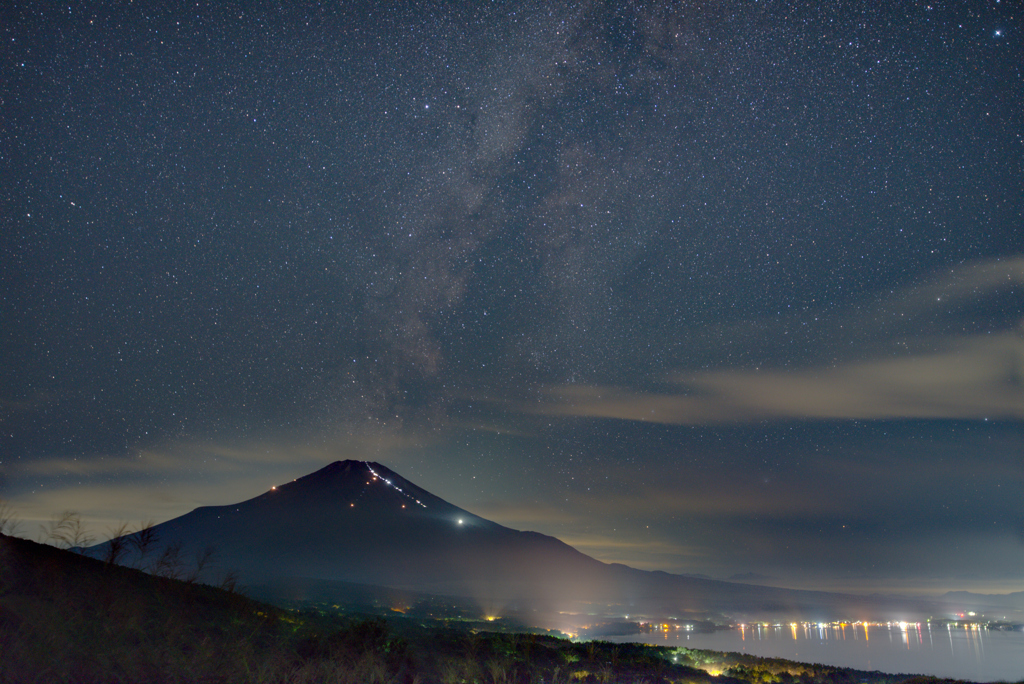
961	652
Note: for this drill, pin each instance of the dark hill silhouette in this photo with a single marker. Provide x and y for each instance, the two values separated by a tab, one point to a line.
69	618
359	522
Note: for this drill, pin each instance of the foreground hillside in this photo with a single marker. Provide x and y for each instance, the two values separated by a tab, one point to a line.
67	618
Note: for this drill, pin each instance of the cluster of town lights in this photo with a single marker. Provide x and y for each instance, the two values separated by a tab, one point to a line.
839	625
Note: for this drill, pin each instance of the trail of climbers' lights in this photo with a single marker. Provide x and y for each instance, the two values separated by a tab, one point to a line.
393	486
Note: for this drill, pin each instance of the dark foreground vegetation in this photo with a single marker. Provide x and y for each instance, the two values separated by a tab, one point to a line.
67	618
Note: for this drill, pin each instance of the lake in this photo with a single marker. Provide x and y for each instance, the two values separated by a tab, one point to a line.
959	652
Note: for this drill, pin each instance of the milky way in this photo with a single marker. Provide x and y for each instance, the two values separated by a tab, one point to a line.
721	289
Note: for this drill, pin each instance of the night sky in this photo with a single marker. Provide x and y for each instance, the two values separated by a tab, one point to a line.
729	288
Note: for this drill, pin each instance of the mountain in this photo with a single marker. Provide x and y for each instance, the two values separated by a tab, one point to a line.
354	521
359	522
985	603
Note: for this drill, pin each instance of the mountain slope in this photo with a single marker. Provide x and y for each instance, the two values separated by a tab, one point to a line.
360	522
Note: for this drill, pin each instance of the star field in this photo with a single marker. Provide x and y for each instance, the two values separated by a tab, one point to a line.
718	289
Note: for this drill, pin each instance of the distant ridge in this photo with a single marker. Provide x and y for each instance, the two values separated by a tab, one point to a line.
973	600
752	577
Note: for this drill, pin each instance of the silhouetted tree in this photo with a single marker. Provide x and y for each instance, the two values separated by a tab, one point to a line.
142	541
9	522
169	563
117	544
230	581
203	558
68	531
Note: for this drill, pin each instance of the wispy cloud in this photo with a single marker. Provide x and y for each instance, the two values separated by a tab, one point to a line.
980	377
967	376
214	458
525	515
161	482
716	495
646	554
